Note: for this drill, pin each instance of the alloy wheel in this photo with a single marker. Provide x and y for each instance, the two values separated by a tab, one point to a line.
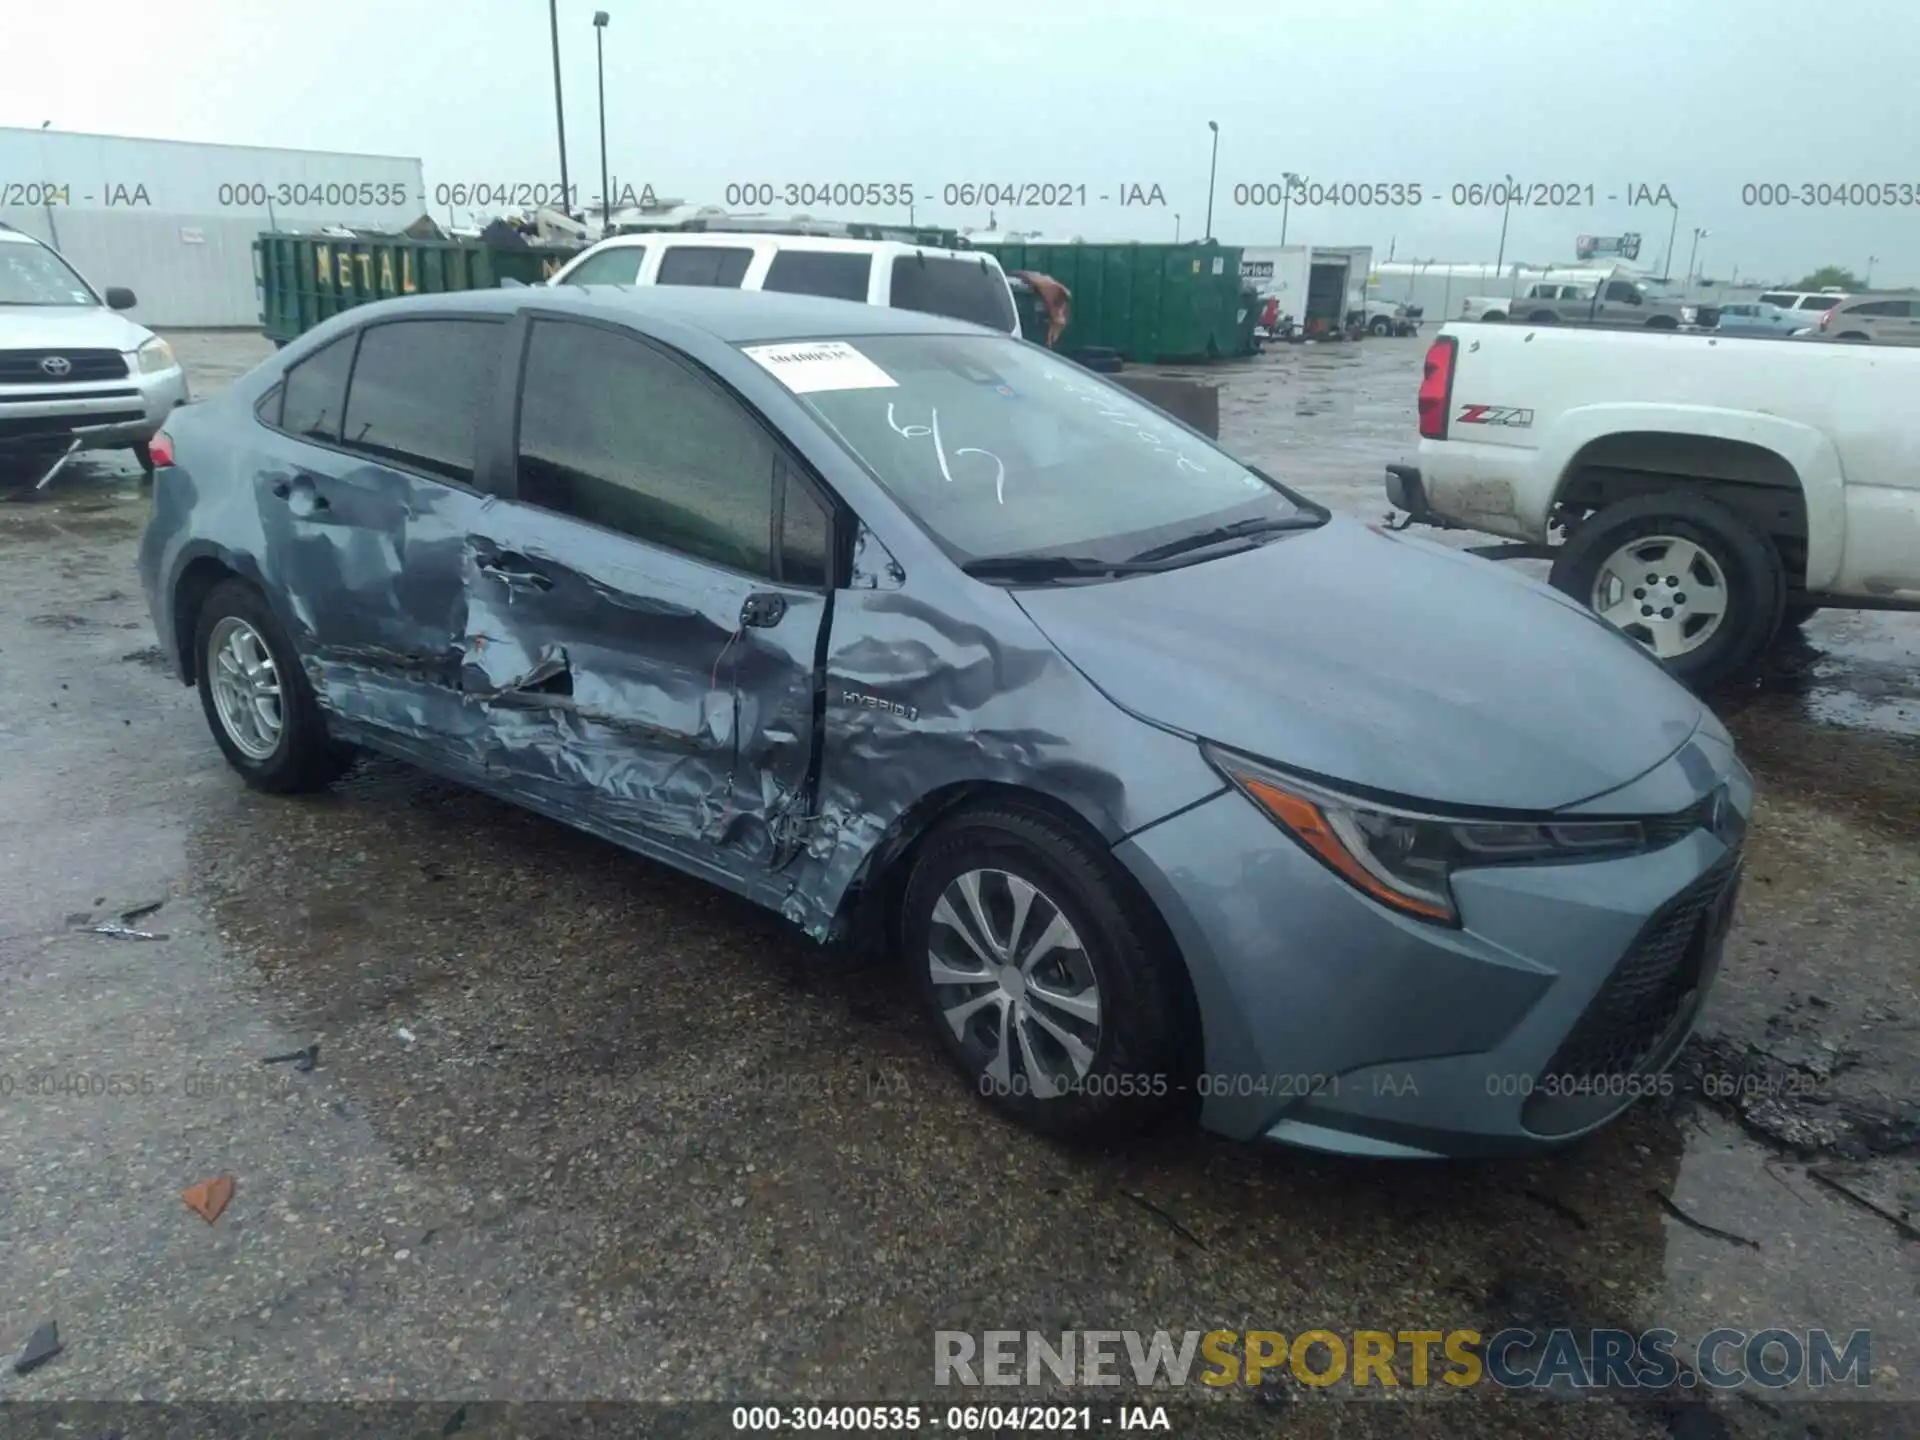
1666	592
1013	980
246	688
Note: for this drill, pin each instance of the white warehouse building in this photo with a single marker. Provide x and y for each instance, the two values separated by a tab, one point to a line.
175	222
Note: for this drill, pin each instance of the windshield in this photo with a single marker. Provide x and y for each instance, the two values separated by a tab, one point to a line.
1000	448
34	275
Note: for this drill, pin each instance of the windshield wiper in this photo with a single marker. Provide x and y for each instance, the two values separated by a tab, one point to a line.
1222	534
1050	567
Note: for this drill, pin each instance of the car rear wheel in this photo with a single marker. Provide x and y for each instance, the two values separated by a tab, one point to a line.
1699	587
1495	316
257	699
1043	975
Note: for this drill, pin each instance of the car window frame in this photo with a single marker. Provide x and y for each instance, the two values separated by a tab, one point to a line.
483	440
789	467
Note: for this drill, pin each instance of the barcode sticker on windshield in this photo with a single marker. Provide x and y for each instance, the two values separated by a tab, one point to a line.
809	365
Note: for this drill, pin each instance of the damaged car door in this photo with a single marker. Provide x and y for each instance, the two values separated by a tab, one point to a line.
645	610
366	494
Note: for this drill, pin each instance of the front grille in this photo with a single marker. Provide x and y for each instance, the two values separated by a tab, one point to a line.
1634	1016
23	367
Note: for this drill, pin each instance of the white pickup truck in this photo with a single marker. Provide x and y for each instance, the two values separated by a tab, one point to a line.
1698	492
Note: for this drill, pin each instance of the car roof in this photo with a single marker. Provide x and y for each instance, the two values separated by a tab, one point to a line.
728	315
760	240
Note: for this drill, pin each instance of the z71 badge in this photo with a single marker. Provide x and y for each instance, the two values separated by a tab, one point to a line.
1495	415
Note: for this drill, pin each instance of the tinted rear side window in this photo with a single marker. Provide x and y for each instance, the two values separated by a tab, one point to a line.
720	265
1880	308
961	289
1820	302
820	272
315	392
1785	301
419	388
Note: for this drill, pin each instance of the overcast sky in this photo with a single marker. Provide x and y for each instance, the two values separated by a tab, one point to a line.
1702	97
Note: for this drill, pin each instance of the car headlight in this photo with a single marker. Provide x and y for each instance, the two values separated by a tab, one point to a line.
154	356
1406	858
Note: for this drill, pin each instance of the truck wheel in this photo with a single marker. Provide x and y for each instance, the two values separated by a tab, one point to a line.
1694	583
1381	326
1798	615
1495	317
1855	336
1663	322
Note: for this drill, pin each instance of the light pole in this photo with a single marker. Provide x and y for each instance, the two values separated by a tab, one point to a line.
1289	180
1666	262
600	61
1176	227
1869	279
559	106
1212	170
1506	214
1692	253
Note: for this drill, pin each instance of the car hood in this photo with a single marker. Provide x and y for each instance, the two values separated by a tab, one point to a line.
1380	661
81	327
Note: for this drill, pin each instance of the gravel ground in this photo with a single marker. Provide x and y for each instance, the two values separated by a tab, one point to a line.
583	1129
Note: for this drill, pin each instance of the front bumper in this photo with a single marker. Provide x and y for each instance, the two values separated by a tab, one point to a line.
102	415
1334	1023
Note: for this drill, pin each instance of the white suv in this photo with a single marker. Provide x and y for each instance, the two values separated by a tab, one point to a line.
960	284
74	375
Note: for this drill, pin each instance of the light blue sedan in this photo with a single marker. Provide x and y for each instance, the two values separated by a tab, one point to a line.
1758	318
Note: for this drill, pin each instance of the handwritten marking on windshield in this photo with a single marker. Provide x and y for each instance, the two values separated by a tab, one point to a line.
1106	406
917	432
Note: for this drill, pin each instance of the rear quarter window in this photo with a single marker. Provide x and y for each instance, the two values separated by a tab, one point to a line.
958	289
721	266
834	275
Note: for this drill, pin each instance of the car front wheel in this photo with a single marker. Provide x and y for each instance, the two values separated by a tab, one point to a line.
1693	582
1044	978
257	699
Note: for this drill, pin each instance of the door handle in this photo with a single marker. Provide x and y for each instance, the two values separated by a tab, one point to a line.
513	578
764	610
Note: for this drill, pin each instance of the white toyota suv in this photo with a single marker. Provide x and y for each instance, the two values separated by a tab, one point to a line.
74	374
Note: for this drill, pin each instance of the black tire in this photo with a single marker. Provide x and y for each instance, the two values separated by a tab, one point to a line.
305	757
1797	615
1854	337
1381	326
1748	559
1135	1074
1495	317
143	454
1663	322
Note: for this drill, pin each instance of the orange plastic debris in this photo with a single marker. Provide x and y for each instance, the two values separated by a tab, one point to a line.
209	1197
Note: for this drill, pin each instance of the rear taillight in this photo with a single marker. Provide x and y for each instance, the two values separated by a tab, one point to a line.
161	449
1436	388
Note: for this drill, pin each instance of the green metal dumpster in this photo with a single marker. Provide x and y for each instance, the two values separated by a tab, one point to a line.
304	279
1150	303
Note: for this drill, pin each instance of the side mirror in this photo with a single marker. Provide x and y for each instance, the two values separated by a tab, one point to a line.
120	298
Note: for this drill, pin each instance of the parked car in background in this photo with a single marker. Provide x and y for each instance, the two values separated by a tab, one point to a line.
960	284
1871	319
1750	486
1807	305
1757	317
1614	300
902	626
1389	317
74	374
